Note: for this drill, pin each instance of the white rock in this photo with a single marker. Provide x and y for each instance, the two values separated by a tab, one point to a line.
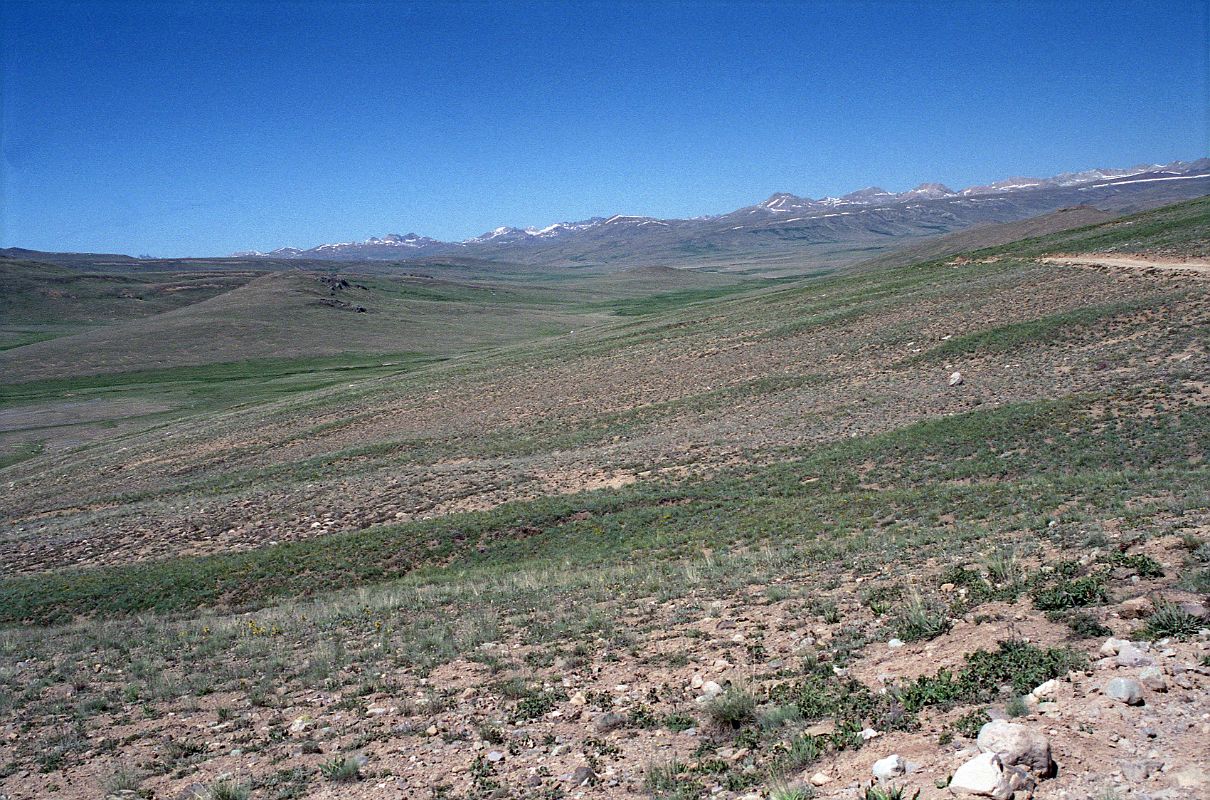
1016	745
895	643
1046	691
890	767
956	379
1127	690
1111	646
711	689
982	776
819	779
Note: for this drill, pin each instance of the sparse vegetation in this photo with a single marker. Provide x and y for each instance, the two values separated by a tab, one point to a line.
970	723
735	707
889	792
782	791
122	779
1085	625
670	781
1170	620
342	769
228	789
1074	593
482	557
921	620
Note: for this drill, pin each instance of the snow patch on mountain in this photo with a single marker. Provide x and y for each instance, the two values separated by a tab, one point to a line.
779	208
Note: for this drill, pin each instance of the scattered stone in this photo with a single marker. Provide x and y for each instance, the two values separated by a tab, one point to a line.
579	699
607	722
193	791
1131	656
495	756
1192	777
1153	679
1112	645
890	767
895	643
1194	608
819	779
1126	690
1138	771
956	379
583	776
711	689
1017	745
732	754
1046	691
1134	608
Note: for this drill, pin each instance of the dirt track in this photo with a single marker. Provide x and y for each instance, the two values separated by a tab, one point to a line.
1132	262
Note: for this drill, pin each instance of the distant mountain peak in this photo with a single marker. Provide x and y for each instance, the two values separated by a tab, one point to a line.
868	193
781	200
776	212
929	191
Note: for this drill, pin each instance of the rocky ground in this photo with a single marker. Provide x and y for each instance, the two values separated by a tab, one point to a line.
707	693
730	387
940	530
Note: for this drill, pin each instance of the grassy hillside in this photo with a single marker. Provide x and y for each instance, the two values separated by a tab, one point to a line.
42	301
1181	230
94	355
983	236
723	540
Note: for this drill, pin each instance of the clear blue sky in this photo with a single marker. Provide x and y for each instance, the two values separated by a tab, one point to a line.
177	128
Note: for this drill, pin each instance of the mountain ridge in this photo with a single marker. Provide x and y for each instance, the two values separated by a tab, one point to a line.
777	208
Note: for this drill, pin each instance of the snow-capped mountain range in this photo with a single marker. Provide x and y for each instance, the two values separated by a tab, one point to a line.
930	207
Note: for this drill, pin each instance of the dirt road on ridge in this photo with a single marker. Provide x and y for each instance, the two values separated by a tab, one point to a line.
1132	262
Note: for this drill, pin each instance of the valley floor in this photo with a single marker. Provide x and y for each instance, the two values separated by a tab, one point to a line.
737	545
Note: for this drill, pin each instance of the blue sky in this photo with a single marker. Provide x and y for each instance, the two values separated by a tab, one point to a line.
179	128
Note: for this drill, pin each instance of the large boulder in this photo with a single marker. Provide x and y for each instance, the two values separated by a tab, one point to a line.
986	776
1017	745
